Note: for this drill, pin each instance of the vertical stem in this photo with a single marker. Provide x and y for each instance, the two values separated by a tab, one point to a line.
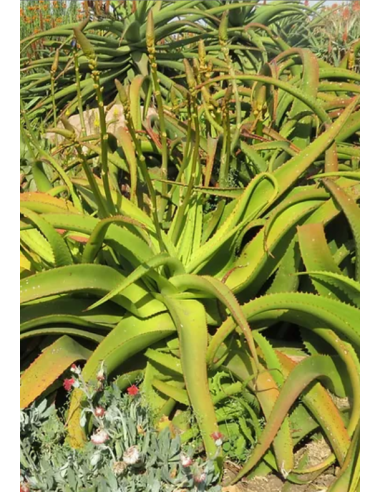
181	211
223	38
225	153
90	54
125	100
53	98
95	74
163	135
53	71
102	208
79	93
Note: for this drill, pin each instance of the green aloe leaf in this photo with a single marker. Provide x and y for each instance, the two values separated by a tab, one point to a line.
190	320
60	250
53	361
303	374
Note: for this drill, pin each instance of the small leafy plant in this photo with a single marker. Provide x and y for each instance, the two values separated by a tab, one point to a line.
124	452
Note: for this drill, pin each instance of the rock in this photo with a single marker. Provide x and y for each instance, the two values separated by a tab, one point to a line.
114	119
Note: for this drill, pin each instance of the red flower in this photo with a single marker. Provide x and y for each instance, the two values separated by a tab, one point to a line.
216	436
99	411
346	13
24	487
133	390
68	383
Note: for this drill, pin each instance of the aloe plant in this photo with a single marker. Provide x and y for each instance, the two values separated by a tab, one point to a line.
241	223
123	53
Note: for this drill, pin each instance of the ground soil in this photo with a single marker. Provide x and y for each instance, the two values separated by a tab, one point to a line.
317	452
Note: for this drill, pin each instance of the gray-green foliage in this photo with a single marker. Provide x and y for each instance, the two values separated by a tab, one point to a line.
48	464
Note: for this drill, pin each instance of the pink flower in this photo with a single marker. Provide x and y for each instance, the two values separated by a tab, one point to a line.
99	437
185	460
200	478
99	411
24	487
68	383
133	390
217	437
131	456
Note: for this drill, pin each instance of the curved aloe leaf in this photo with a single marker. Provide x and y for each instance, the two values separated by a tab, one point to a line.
189	318
130	337
53	361
218	289
303	374
352	212
296	307
98	279
144	268
95	241
60	250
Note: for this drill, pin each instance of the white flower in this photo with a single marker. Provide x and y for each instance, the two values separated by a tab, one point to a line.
101	375
131	456
185	460
75	369
99	437
118	468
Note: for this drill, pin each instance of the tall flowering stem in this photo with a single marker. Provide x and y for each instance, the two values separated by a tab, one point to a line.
225	154
193	113
89	52
223	39
78	84
53	71
124	96
150	39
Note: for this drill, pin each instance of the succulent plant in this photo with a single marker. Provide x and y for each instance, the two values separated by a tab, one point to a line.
206	255
128	459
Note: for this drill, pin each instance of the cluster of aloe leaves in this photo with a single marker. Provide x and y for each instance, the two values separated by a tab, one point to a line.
230	269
